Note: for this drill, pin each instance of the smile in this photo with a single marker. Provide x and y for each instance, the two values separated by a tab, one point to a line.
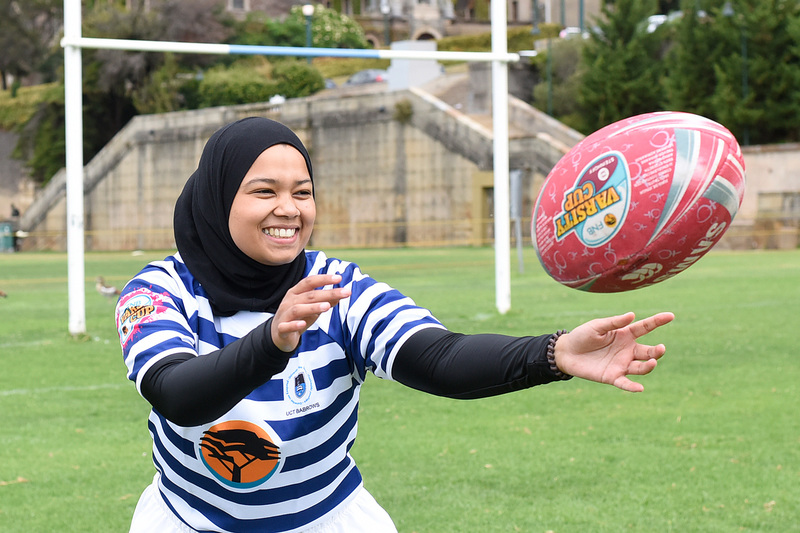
280	233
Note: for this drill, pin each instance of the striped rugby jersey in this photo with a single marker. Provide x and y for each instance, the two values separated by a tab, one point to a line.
279	460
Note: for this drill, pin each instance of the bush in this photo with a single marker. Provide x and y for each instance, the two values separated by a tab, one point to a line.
253	80
161	92
518	38
329	28
42	140
296	79
42	143
237	84
17	110
334	67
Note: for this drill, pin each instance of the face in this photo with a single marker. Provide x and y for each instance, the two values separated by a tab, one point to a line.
273	212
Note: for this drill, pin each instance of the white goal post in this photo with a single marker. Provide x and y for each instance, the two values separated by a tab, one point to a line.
73	42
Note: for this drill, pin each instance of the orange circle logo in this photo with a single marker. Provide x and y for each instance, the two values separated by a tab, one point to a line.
238	453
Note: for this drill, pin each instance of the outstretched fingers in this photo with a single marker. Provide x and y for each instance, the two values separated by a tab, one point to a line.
313	293
613	323
627	385
635	368
302	305
643	352
645	326
640	368
306	286
606	349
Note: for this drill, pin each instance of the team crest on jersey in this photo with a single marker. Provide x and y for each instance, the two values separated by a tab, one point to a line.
137	308
239	454
299	386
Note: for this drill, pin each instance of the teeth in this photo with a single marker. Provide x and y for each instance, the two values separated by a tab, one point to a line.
280	232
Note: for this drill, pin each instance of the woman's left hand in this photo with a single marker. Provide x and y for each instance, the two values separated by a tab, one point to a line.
302	305
605	350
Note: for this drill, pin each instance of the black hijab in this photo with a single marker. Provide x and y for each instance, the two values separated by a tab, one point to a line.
231	279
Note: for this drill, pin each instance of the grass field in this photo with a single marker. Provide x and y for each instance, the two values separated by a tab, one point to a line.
712	445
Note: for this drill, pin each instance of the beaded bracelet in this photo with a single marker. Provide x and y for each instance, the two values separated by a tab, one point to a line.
551	356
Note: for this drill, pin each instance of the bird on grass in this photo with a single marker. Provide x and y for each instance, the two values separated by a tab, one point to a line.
109	291
3	295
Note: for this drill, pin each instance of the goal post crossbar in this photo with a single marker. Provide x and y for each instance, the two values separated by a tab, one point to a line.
249	49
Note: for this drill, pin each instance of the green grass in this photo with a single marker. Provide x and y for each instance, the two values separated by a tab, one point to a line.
16	110
712	445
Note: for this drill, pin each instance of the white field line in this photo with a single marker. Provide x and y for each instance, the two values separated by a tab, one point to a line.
6	345
51	390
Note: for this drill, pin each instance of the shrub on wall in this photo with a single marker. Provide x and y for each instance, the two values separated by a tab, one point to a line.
518	38
329	28
296	79
237	84
42	143
333	67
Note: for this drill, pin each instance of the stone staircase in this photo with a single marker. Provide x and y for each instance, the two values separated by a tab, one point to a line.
536	141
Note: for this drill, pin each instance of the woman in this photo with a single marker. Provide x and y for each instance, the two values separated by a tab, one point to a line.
252	351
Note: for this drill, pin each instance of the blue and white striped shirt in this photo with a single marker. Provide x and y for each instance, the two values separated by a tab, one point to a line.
279	460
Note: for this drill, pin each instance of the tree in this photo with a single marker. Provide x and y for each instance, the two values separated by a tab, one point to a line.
566	70
169	20
757	80
115	82
623	66
28	32
690	80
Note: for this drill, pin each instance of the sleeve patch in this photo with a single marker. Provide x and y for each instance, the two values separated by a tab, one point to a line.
139	307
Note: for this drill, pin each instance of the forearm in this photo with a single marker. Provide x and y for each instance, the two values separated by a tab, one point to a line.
472	366
190	390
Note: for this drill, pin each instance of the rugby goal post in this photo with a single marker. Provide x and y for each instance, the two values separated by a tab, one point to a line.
73	42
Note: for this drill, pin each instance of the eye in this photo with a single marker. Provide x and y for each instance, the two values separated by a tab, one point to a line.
303	193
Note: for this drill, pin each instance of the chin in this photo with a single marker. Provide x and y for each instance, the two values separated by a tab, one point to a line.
278	259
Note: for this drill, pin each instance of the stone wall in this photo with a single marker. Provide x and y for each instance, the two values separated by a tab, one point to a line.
770	213
391	169
398	168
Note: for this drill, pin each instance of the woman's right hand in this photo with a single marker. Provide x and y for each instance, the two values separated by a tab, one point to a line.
302	305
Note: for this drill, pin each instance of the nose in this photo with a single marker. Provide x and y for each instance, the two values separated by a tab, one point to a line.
286	206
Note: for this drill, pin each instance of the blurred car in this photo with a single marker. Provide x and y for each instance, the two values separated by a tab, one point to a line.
371	75
654	21
571	32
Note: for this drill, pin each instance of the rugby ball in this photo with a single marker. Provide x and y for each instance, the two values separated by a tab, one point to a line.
638	201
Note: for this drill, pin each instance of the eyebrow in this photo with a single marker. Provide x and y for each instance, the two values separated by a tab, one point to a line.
272	181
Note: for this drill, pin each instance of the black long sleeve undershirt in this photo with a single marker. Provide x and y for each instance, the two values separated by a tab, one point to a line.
461	366
190	390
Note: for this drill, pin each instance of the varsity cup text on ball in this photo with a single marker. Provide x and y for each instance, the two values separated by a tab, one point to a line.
638	201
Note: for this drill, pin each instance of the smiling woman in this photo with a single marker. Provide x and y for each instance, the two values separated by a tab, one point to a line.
273	212
233	278
253	350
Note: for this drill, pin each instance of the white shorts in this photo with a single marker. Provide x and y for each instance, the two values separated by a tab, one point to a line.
361	515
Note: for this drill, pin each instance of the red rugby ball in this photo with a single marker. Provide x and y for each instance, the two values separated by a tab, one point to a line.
638	201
